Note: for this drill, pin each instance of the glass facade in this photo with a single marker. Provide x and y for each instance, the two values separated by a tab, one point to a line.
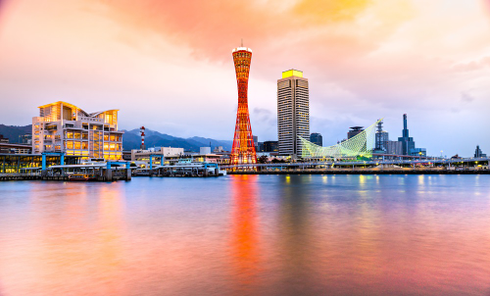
13	163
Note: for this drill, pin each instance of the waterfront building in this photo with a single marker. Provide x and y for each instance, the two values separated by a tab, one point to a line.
360	146
15	148
479	153
25	139
218	149
157	152
271	146
382	137
256	143
354	131
3	139
394	147
293	112
317	139
418	152
205	150
243	150
63	127
407	141
259	147
21	163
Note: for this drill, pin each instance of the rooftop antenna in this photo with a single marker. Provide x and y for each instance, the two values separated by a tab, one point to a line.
242	42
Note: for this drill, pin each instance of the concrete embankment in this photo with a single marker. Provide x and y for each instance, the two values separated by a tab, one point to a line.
21	177
364	172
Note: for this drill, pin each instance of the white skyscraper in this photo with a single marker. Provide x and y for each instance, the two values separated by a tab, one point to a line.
293	112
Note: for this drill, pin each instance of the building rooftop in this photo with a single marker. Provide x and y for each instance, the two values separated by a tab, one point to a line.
292	72
242	49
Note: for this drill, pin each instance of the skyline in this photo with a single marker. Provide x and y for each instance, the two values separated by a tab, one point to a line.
365	60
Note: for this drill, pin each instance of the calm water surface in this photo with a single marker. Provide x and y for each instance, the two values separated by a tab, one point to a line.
247	235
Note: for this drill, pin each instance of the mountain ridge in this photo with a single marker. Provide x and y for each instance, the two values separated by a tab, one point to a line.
132	139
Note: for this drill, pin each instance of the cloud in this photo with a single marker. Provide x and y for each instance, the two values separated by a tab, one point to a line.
264	117
466	97
473	65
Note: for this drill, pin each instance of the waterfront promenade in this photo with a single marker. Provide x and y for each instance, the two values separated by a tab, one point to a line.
364	171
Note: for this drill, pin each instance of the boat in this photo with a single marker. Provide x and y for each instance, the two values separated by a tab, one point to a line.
80	177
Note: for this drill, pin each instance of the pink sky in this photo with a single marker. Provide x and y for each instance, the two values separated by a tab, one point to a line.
167	64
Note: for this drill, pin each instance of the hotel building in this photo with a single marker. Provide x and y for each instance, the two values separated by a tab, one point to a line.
63	127
293	112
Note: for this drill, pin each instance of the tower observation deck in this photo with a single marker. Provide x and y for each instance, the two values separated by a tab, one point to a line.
243	150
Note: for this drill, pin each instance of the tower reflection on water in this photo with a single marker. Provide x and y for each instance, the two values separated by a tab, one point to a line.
244	241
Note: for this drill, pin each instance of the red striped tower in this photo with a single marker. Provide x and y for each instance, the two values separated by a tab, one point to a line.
243	151
142	132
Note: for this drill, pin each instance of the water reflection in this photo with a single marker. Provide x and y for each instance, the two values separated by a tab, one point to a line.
68	239
244	242
247	235
110	255
294	246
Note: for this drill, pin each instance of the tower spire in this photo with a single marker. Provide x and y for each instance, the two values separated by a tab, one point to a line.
242	43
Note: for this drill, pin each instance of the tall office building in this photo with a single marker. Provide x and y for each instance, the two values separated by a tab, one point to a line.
293	112
243	150
407	142
63	127
317	139
479	153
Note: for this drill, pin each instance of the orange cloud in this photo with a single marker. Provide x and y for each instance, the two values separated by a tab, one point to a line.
330	10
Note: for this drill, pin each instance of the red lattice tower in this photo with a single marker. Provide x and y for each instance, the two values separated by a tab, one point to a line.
243	151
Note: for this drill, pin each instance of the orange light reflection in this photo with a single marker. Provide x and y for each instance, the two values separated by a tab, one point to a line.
244	229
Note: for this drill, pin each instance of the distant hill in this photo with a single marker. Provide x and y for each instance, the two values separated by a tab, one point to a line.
132	139
13	132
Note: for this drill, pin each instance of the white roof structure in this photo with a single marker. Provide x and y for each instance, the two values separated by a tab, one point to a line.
241	49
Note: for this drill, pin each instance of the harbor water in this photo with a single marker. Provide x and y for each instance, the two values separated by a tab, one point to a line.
247	235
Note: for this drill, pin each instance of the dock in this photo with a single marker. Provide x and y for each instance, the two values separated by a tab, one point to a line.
95	171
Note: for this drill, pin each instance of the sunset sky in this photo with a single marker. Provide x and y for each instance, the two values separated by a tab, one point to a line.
167	65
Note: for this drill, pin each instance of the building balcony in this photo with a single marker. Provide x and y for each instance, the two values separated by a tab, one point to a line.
91	119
